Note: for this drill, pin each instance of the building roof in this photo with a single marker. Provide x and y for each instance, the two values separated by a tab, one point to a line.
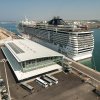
23	49
16	67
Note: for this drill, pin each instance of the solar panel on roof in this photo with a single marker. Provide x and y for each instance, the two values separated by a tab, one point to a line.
15	48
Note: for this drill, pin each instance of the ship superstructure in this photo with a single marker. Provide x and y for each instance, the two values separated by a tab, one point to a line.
75	41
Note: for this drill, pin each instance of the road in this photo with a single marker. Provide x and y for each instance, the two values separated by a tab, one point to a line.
82	68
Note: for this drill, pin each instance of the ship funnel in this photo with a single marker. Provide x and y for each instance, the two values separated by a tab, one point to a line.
56	21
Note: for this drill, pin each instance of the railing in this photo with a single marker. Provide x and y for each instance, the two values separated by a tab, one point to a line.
84	72
62	28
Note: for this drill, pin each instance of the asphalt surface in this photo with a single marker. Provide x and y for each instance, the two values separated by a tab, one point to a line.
70	87
85	69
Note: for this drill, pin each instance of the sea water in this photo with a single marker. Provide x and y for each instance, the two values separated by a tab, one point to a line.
94	62
11	26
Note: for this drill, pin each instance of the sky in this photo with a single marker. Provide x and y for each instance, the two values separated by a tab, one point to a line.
13	10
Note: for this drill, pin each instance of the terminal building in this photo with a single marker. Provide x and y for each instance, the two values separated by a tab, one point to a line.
28	58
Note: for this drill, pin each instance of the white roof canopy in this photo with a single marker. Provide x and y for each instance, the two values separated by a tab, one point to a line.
23	49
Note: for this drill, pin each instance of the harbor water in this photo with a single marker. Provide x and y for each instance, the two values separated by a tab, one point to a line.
93	62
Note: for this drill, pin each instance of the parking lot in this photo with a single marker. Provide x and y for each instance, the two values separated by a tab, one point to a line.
69	87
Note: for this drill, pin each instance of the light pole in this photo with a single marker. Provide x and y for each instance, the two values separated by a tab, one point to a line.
4	61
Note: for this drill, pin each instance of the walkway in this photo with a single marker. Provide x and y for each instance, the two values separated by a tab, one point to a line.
84	69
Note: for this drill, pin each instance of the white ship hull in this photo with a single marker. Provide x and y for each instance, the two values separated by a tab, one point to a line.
56	48
72	41
82	56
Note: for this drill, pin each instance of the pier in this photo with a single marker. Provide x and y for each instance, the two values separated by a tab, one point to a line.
76	66
6	35
62	91
84	71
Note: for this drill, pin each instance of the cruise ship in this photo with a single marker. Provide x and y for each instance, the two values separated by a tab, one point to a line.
74	40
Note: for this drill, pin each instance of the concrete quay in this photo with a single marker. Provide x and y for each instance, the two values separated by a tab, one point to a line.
70	87
83	70
7	35
68	83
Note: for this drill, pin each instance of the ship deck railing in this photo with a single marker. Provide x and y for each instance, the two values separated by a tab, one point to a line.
62	28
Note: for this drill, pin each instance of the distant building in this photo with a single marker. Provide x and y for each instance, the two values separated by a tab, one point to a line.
28	58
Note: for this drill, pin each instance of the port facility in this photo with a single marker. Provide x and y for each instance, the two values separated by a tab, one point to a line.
28	58
68	84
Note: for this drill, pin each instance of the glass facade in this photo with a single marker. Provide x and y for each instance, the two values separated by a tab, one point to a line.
40	62
31	64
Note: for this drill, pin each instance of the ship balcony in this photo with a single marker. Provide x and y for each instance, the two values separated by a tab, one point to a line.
62	28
